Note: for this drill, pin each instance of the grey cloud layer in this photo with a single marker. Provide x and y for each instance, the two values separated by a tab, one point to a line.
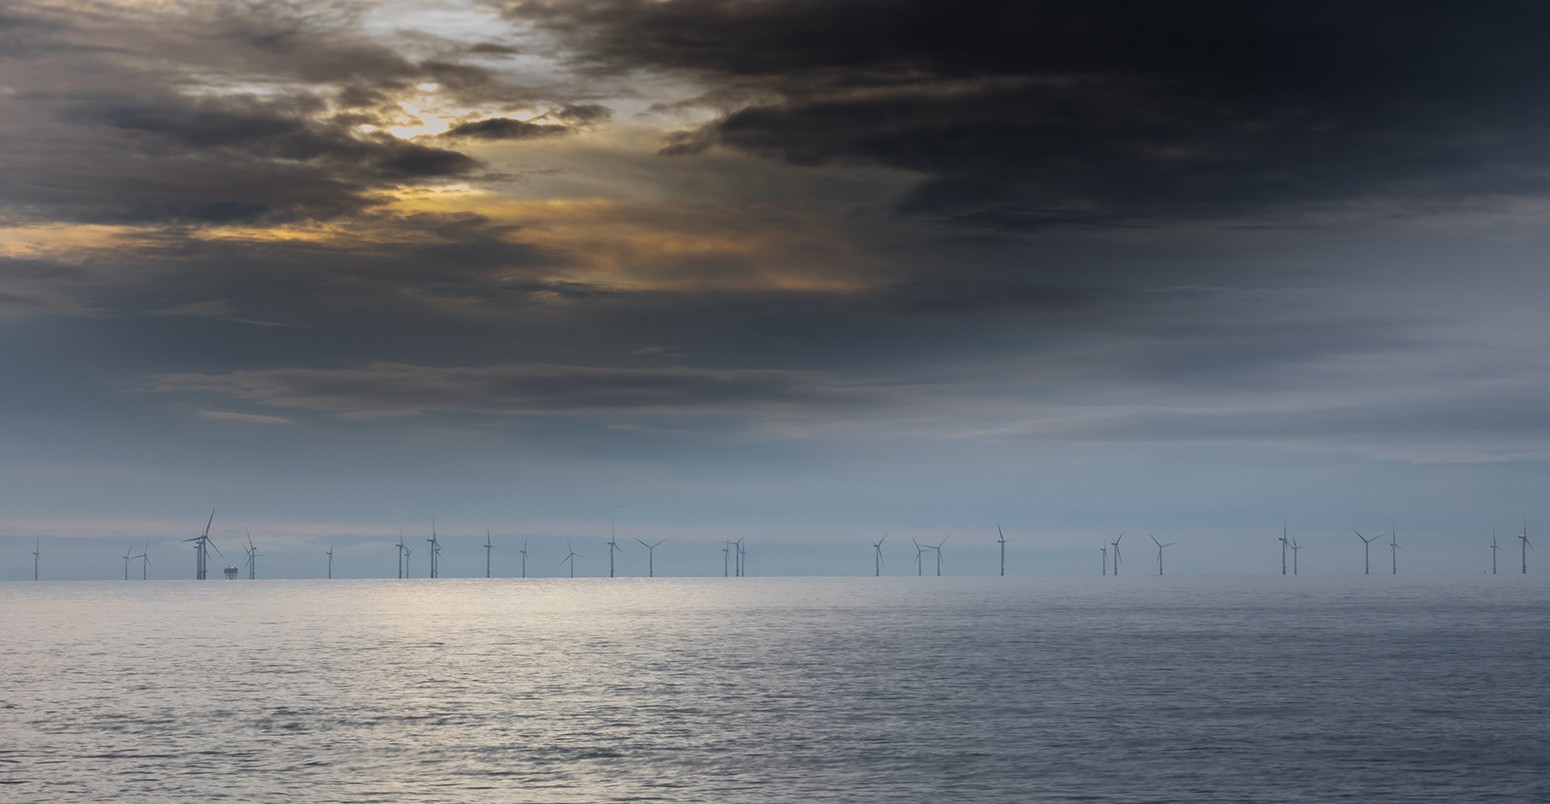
1023	115
395	389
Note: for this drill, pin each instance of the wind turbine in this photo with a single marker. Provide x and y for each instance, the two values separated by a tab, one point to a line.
742	556
920	568
1002	541
613	547
1284	545
1366	551
1105	551
651	557
126	558
726	550
1160	547
37	549
570	557
1524	538
408	555
877	556
252	555
1494	549
938	550
487	548
330	555
1115	545
1394	549
202	545
524	558
1295	548
435	551
401	549
145	562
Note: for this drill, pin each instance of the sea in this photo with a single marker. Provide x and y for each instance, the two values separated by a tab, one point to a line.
1129	689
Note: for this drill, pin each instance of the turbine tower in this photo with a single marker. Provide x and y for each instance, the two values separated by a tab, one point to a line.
145	562
1160	547
726	550
401	549
1366	551
651	557
127	556
524	558
1284	545
1523	537
1002	541
1115	545
408	555
742	556
938	549
920	567
570	557
37	549
252	555
1105	551
1494	549
877	556
1394	549
435	551
613	547
330	555
487	548
1295	548
202	545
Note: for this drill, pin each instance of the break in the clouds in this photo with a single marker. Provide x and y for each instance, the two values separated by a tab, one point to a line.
820	256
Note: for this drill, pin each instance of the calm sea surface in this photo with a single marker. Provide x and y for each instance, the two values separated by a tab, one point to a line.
1137	689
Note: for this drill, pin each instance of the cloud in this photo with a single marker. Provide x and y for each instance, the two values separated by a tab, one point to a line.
388	390
504	128
241	418
1023	116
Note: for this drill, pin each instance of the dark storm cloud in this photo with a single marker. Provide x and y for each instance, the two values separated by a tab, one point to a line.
504	128
199	161
394	389
1022	115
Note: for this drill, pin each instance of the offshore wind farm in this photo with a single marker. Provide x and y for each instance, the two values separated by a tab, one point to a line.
722	400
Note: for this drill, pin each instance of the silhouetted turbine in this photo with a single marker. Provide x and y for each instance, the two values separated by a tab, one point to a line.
202	545
570	557
1366	551
651	557
1160	547
877	556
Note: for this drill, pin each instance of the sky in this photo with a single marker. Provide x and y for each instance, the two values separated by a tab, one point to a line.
814	271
